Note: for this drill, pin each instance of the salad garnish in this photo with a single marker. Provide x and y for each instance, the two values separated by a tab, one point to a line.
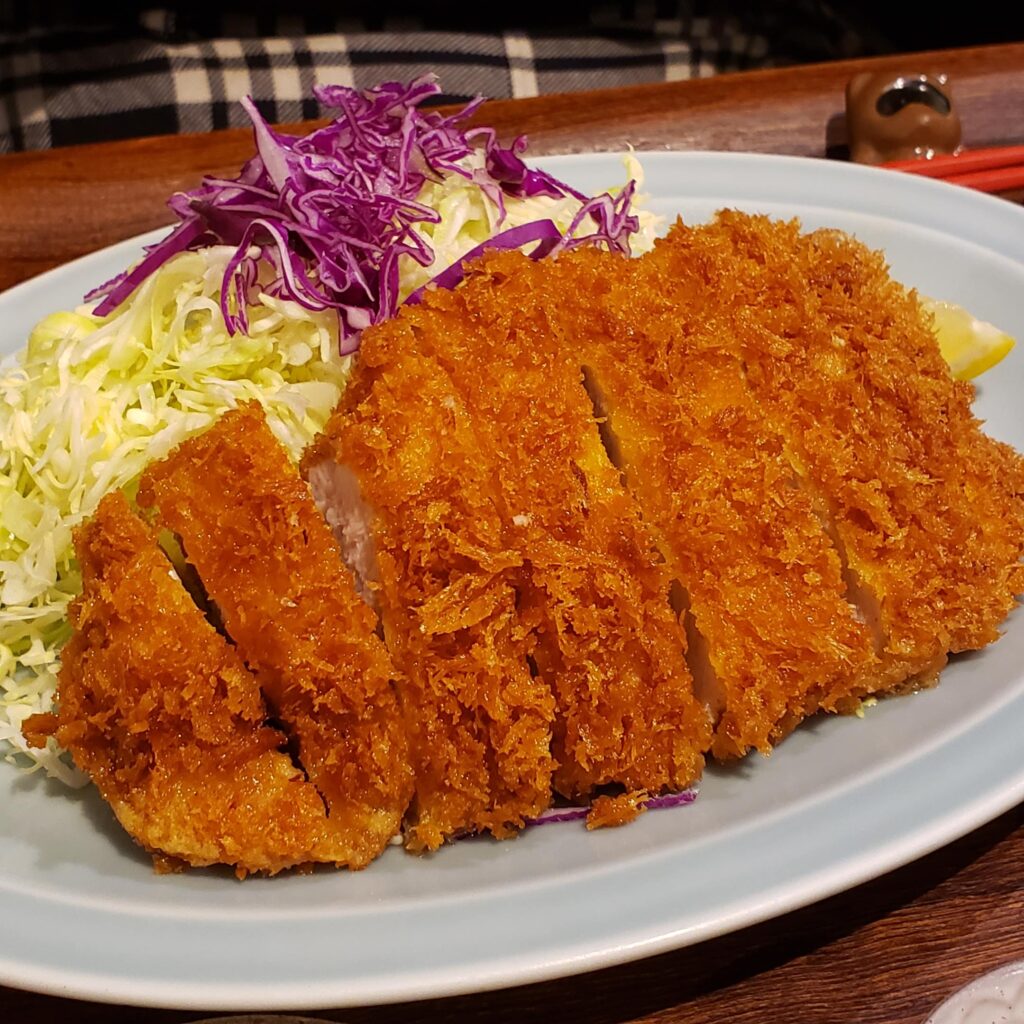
337	213
91	401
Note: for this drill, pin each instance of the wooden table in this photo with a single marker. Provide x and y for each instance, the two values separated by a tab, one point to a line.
885	952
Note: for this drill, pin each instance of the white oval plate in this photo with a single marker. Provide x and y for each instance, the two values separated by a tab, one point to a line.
841	801
994	998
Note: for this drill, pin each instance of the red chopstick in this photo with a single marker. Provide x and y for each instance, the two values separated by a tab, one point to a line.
999	169
999	179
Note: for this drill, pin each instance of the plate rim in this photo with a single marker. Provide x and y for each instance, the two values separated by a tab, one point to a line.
511	970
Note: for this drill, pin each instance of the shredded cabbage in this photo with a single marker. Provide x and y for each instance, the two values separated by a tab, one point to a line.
89	402
469	217
336	212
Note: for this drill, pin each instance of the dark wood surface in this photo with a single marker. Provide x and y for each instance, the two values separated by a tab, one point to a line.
884	953
57	205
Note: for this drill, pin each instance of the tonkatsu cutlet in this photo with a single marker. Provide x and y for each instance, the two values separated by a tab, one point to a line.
268	560
162	714
595	593
612	514
839	385
760	580
401	444
928	511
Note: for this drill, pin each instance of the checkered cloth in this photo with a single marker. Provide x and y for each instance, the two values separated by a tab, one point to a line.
66	82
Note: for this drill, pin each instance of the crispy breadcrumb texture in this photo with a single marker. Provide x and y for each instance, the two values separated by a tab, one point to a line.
613	811
163	716
271	565
761	581
448	572
596	592
928	510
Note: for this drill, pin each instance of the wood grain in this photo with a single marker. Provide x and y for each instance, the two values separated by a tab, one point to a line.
884	953
60	204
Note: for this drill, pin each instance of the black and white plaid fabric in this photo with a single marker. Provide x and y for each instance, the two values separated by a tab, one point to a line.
158	71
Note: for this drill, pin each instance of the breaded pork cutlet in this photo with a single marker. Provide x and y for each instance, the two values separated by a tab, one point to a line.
596	593
928	511
162	714
268	560
444	571
760	576
760	579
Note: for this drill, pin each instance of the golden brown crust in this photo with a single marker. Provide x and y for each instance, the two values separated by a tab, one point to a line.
613	811
595	593
929	510
480	726
163	716
267	558
827	508
762	581
764	584
846	387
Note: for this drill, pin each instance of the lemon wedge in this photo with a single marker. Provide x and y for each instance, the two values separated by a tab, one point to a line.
970	346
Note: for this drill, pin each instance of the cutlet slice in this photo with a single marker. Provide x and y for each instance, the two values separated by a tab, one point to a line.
445	575
761	582
604	635
162	714
928	510
268	560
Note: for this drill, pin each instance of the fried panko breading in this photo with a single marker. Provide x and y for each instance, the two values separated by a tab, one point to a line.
596	593
591	499
762	582
760	579
778	379
928	511
162	714
446	572
268	560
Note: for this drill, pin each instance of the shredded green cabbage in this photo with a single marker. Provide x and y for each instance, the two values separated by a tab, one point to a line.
469	218
90	402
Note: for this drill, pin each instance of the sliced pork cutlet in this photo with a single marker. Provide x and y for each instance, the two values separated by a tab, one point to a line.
927	509
759	578
605	637
445	573
269	562
162	714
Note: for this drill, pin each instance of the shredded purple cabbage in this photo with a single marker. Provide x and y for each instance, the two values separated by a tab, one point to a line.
332	213
557	815
544	231
661	803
